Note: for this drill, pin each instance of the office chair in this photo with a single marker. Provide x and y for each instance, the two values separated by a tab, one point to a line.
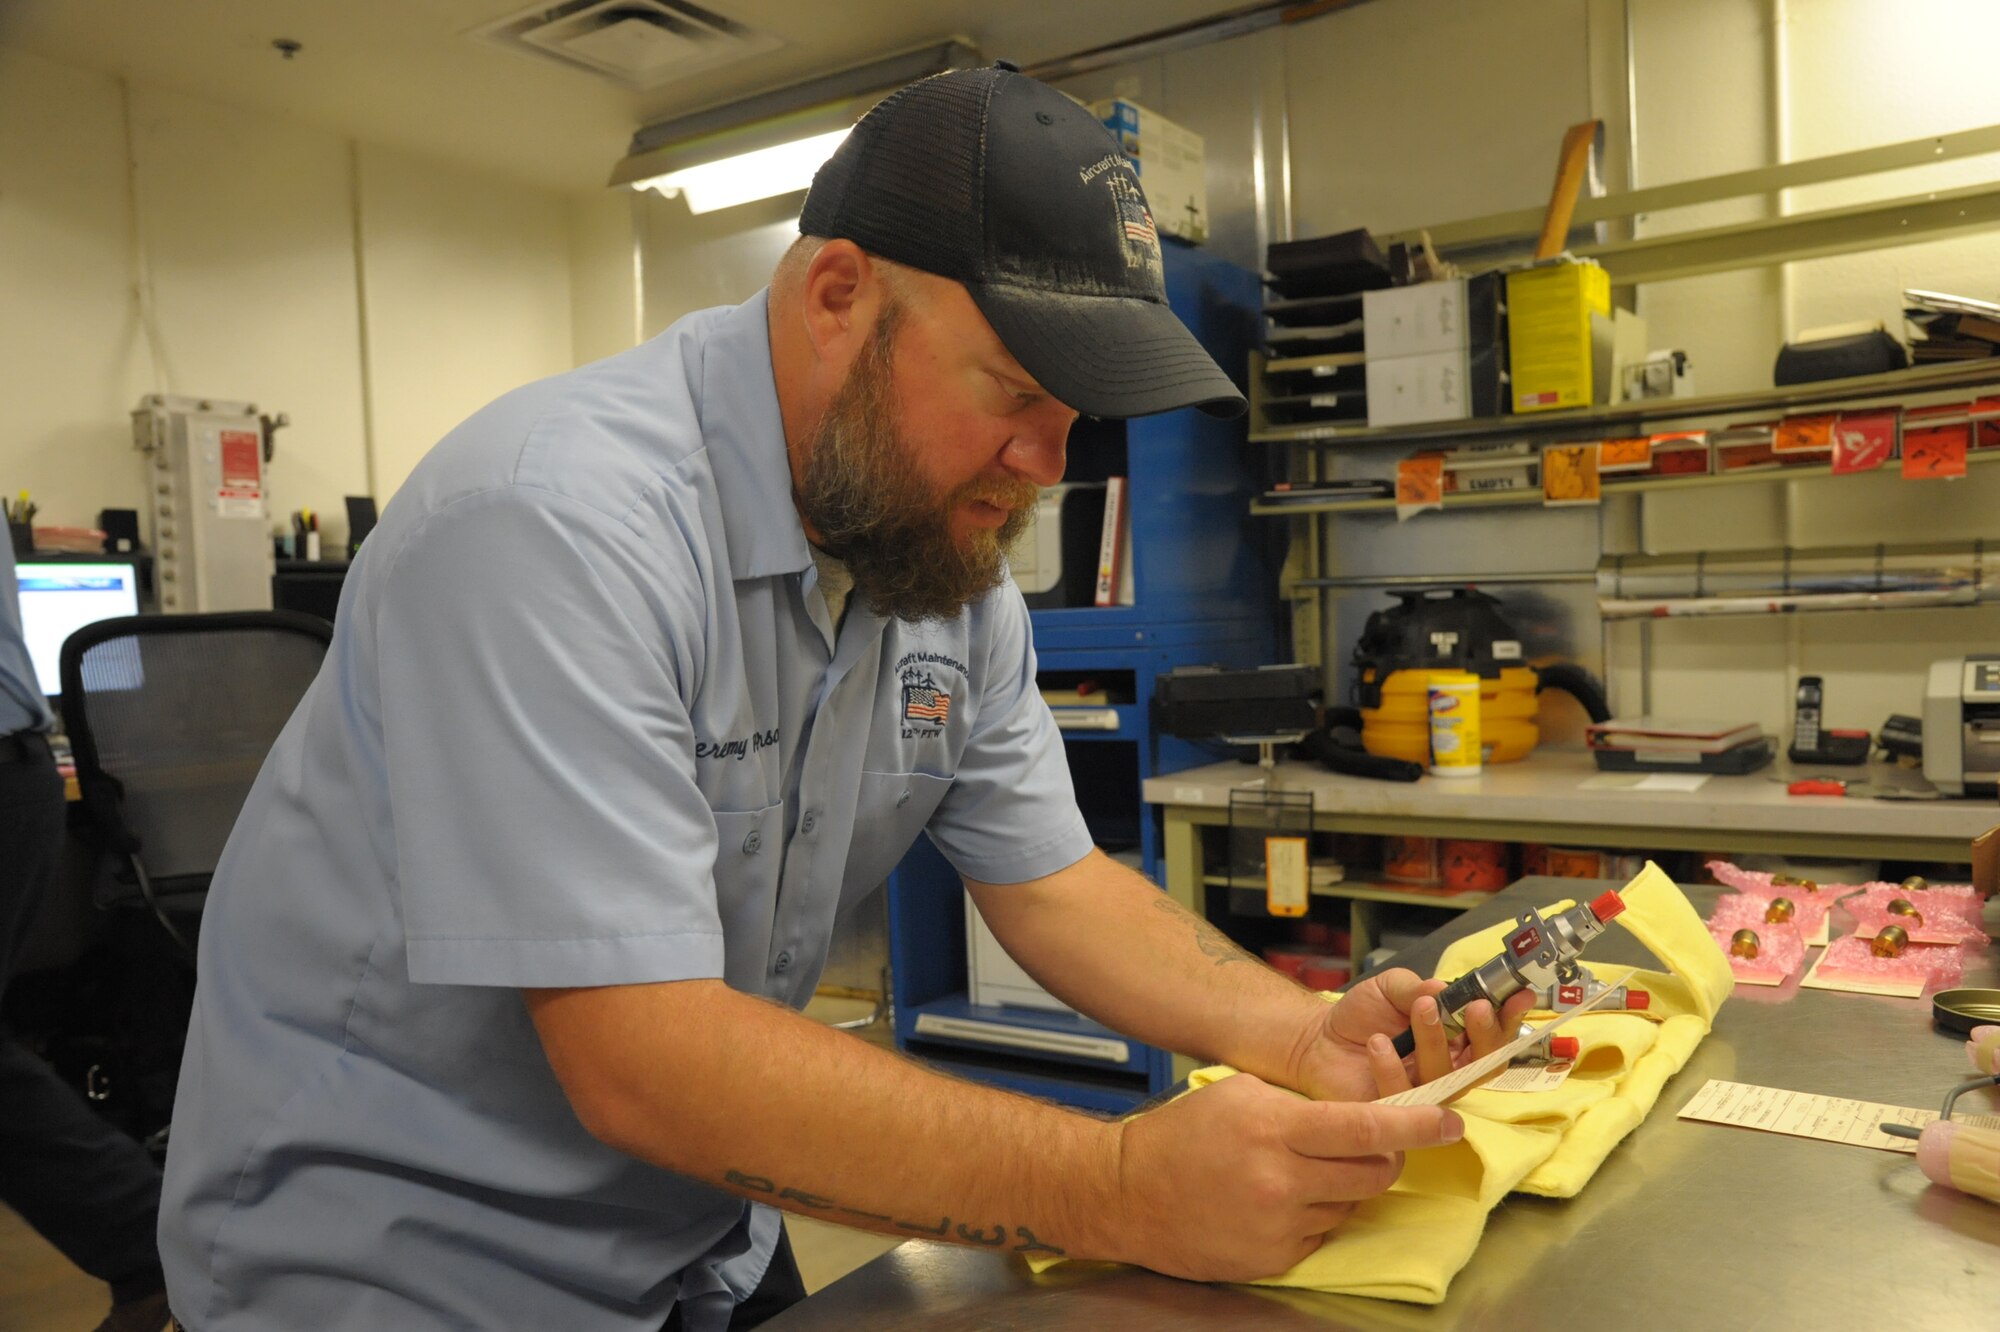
170	718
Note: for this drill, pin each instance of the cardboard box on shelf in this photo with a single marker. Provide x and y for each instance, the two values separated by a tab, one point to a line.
1550	334
1171	162
1435	386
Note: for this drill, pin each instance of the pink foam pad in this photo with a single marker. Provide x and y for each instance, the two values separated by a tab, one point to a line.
1745	911
1952	902
1938	928
1850	958
1781	948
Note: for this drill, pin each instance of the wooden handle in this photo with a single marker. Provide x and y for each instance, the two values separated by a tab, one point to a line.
1571	172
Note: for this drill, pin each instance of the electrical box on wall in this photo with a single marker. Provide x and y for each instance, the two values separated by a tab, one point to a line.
205	488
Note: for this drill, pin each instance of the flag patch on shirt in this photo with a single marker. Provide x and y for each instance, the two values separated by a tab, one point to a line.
922	702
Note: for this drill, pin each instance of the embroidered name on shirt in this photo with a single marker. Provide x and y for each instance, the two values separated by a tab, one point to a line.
735	749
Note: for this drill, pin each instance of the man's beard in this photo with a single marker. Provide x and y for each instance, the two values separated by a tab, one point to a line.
864	493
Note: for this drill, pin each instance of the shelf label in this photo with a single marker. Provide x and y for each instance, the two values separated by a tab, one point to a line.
1569	474
1286	880
1864	441
1936	452
1625	454
1419	485
1803	434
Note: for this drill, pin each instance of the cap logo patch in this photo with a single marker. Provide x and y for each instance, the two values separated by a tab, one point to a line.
1135	225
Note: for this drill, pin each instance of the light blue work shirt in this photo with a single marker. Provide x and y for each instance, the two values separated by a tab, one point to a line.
584	722
22	707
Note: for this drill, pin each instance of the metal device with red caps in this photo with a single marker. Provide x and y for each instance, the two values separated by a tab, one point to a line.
1551	1050
1538	954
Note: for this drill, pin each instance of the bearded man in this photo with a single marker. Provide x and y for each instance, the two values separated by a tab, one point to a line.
649	671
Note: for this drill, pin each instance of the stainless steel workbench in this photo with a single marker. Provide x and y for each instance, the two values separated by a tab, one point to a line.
1686	1225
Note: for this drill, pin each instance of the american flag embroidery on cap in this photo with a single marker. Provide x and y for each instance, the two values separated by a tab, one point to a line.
926	702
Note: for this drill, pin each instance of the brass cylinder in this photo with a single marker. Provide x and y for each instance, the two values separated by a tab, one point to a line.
1890	942
1779	911
1786	881
1743	943
1916	883
1902	906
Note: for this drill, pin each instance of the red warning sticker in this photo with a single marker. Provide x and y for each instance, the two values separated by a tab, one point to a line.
242	466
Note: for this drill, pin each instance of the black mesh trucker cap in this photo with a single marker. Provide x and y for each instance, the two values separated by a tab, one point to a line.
999	182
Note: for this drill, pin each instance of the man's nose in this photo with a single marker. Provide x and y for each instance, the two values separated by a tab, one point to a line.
1038	451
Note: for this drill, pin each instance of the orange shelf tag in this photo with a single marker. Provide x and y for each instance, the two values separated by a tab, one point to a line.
1569	474
1419	484
1803	434
1629	454
1933	453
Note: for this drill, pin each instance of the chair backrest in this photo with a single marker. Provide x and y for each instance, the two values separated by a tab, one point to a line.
170	718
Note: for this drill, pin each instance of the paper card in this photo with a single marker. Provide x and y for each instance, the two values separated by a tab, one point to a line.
1803	434
1463	1079
1672	781
1419	485
1624	455
1936	452
1812	980
1569	474
1806	1115
1286	882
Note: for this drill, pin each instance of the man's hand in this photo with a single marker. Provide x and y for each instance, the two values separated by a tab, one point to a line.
1241	1180
1344	1053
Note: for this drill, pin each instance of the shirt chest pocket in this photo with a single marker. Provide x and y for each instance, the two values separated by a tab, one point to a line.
889	815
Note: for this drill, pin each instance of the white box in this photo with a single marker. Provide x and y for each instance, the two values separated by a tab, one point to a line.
992	977
1410	390
1420	320
1172	163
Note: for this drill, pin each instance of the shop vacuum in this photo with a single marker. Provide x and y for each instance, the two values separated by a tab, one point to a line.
1442	629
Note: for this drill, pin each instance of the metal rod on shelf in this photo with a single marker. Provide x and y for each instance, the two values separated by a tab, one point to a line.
1777	580
1467	579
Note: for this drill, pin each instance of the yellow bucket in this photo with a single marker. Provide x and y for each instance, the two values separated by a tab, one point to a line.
1401	727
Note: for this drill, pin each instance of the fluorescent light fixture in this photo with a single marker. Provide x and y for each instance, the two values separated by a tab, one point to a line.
772	142
760	174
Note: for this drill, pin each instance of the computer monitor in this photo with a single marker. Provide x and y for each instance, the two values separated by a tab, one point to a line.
57	599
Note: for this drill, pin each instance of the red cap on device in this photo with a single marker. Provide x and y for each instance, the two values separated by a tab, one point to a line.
1638	1000
1564	1047
1607	906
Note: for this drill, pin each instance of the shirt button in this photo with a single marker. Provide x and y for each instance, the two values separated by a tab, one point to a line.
783	964
806	823
751	843
902	800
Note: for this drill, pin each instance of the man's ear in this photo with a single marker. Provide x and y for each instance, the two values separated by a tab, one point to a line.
842	298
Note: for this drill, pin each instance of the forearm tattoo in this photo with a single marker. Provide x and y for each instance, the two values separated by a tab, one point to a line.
1021	1240
1213	943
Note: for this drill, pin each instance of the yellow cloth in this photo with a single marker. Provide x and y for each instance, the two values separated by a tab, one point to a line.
1409	1243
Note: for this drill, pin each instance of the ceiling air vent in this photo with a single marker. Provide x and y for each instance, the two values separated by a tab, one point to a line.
638	43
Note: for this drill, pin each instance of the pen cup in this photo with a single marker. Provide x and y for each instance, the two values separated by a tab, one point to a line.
22	538
312	545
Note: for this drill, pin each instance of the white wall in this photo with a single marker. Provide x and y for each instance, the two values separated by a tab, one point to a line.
466	285
242	255
1729	83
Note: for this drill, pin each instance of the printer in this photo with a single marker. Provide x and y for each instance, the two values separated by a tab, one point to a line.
1962	725
1055	560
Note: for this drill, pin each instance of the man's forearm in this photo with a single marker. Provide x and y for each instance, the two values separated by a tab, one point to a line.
1111	945
751	1097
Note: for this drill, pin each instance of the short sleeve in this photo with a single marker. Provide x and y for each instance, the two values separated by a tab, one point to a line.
1011	812
547	828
